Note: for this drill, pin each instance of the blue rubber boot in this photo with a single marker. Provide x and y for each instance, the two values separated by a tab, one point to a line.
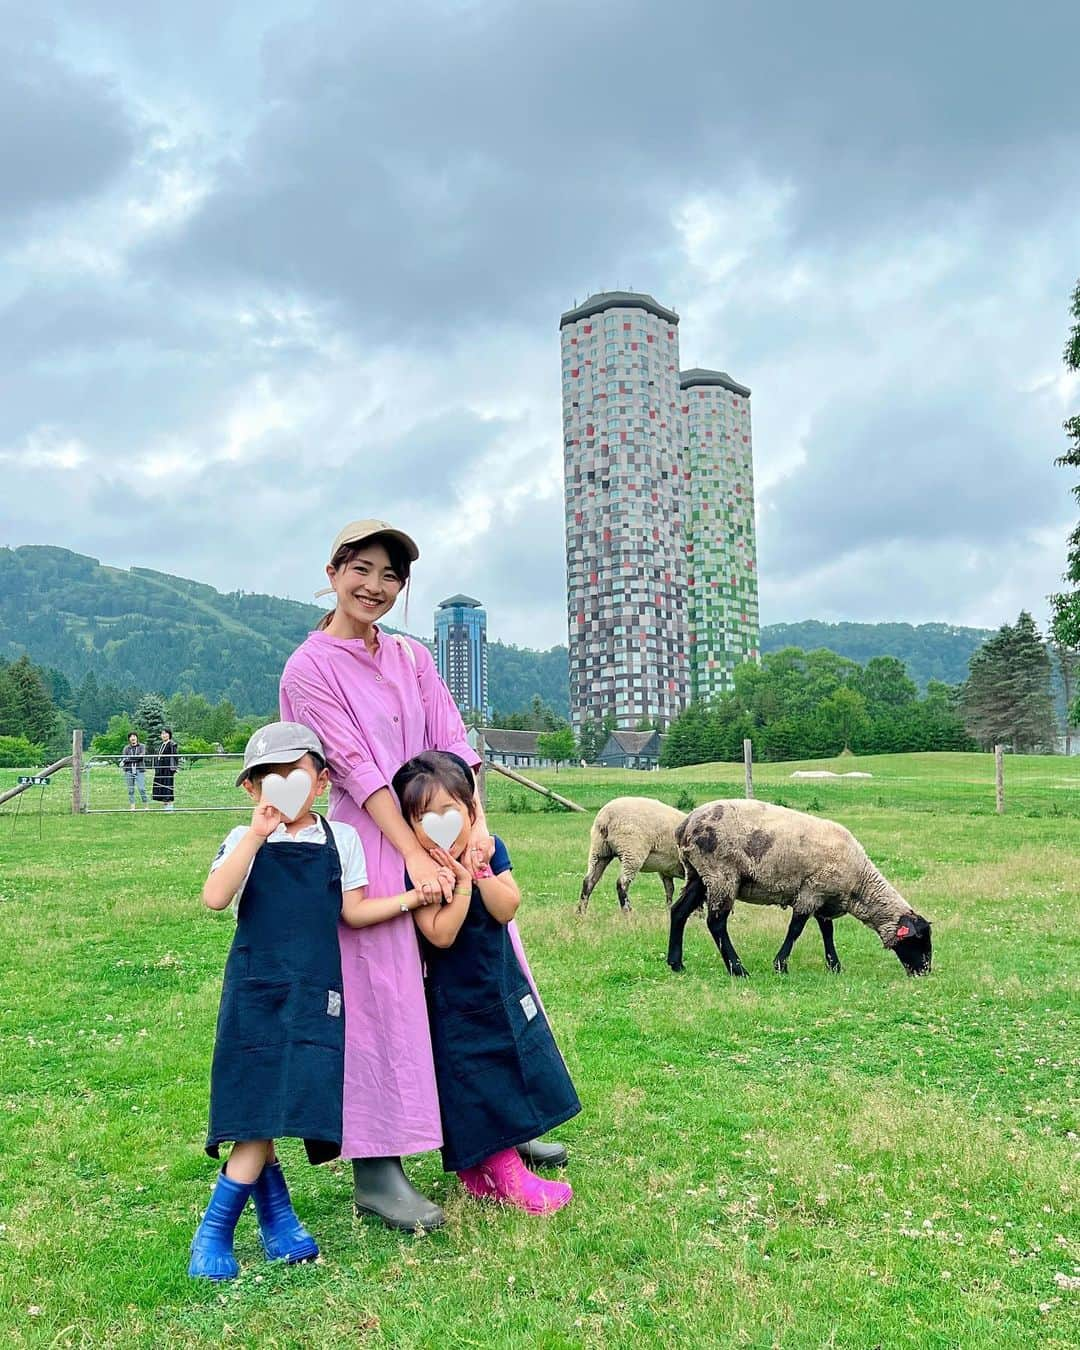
284	1237
212	1246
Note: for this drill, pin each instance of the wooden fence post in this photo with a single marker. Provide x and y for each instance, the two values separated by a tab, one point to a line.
999	778
76	772
748	764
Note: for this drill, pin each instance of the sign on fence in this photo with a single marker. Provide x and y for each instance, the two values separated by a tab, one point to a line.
32	780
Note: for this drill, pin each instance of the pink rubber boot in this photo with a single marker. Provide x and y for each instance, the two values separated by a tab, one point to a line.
504	1177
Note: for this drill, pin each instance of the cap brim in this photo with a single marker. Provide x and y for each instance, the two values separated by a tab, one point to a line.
406	541
278	757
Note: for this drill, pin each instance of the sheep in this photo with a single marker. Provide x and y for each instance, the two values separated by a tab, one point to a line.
640	831
769	855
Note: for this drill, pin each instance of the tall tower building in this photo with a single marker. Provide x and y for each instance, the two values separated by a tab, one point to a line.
722	588
461	651
625	509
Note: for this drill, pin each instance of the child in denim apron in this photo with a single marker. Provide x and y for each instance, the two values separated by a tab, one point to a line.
279	1050
501	1078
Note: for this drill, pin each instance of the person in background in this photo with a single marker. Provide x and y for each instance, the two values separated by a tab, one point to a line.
165	764
133	767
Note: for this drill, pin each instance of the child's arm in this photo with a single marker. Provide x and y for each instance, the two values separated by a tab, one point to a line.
440	924
500	894
359	912
224	881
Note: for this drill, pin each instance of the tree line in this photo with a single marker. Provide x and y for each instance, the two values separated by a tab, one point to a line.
801	705
39	709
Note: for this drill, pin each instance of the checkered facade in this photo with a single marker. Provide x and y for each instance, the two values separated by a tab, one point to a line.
722	590
647	514
625	520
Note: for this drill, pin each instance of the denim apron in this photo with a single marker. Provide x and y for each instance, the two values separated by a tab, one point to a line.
279	1052
502	1080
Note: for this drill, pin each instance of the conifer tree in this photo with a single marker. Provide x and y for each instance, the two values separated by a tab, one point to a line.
35	711
150	718
1006	699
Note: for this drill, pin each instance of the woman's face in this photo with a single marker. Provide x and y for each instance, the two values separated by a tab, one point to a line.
439	805
366	586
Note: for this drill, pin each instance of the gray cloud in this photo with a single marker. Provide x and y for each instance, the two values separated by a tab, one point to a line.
321	269
64	133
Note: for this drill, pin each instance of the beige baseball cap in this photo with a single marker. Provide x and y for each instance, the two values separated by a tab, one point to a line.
356	530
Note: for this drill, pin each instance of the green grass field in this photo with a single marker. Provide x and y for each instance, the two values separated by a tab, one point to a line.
853	1161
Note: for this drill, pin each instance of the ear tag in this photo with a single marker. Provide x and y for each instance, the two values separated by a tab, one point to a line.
442	829
287	794
903	931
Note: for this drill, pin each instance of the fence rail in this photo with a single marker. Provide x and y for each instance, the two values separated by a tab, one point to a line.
960	783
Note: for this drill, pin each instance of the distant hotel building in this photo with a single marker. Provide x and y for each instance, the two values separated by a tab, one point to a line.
461	651
651	462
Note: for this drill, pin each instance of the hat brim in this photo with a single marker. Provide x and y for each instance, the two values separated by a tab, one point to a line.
278	757
406	541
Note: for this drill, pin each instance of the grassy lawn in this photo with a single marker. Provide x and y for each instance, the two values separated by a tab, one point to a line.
853	1161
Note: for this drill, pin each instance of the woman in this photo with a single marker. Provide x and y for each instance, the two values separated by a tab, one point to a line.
375	702
165	765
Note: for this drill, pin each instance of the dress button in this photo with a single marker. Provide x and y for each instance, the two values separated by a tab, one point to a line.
378	679
395	719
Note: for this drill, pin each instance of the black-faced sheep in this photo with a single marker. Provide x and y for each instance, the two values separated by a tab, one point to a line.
640	832
768	855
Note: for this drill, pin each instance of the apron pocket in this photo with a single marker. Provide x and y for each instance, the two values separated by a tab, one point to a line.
317	1014
260	1008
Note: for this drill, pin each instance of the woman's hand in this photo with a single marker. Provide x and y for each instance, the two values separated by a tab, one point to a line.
431	881
461	874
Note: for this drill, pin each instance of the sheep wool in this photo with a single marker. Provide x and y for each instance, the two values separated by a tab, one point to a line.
640	832
770	855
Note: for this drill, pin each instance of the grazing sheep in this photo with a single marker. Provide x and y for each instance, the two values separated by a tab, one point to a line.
768	855
640	832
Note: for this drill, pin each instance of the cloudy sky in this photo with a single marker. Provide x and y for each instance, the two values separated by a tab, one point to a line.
266	267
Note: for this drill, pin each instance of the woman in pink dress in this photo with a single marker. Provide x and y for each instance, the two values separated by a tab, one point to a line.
375	702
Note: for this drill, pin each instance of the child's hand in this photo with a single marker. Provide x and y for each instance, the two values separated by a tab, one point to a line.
265	819
448	863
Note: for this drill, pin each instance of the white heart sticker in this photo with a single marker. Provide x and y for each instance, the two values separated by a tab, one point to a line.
444	829
287	794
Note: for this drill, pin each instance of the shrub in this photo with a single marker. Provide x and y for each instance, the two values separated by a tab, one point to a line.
685	800
16	752
195	745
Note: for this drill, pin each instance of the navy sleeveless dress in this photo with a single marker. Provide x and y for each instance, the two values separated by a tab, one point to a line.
501	1078
279	1053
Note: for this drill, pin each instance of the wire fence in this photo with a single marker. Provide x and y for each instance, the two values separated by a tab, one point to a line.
965	784
1033	785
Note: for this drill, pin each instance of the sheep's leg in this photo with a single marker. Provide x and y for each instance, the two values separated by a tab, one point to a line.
795	927
691	897
831	958
630	867
597	867
717	922
669	888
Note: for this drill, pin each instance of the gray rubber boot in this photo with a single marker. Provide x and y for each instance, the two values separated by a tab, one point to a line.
536	1153
381	1188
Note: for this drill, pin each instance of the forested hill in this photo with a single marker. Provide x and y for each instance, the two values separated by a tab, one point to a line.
152	631
931	651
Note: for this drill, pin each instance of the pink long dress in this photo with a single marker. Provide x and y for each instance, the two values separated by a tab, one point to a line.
372	713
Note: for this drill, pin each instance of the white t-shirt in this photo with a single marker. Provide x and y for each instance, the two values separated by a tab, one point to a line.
350	850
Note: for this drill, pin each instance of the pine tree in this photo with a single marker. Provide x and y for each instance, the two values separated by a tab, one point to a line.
9	703
36	713
150	718
1006	699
